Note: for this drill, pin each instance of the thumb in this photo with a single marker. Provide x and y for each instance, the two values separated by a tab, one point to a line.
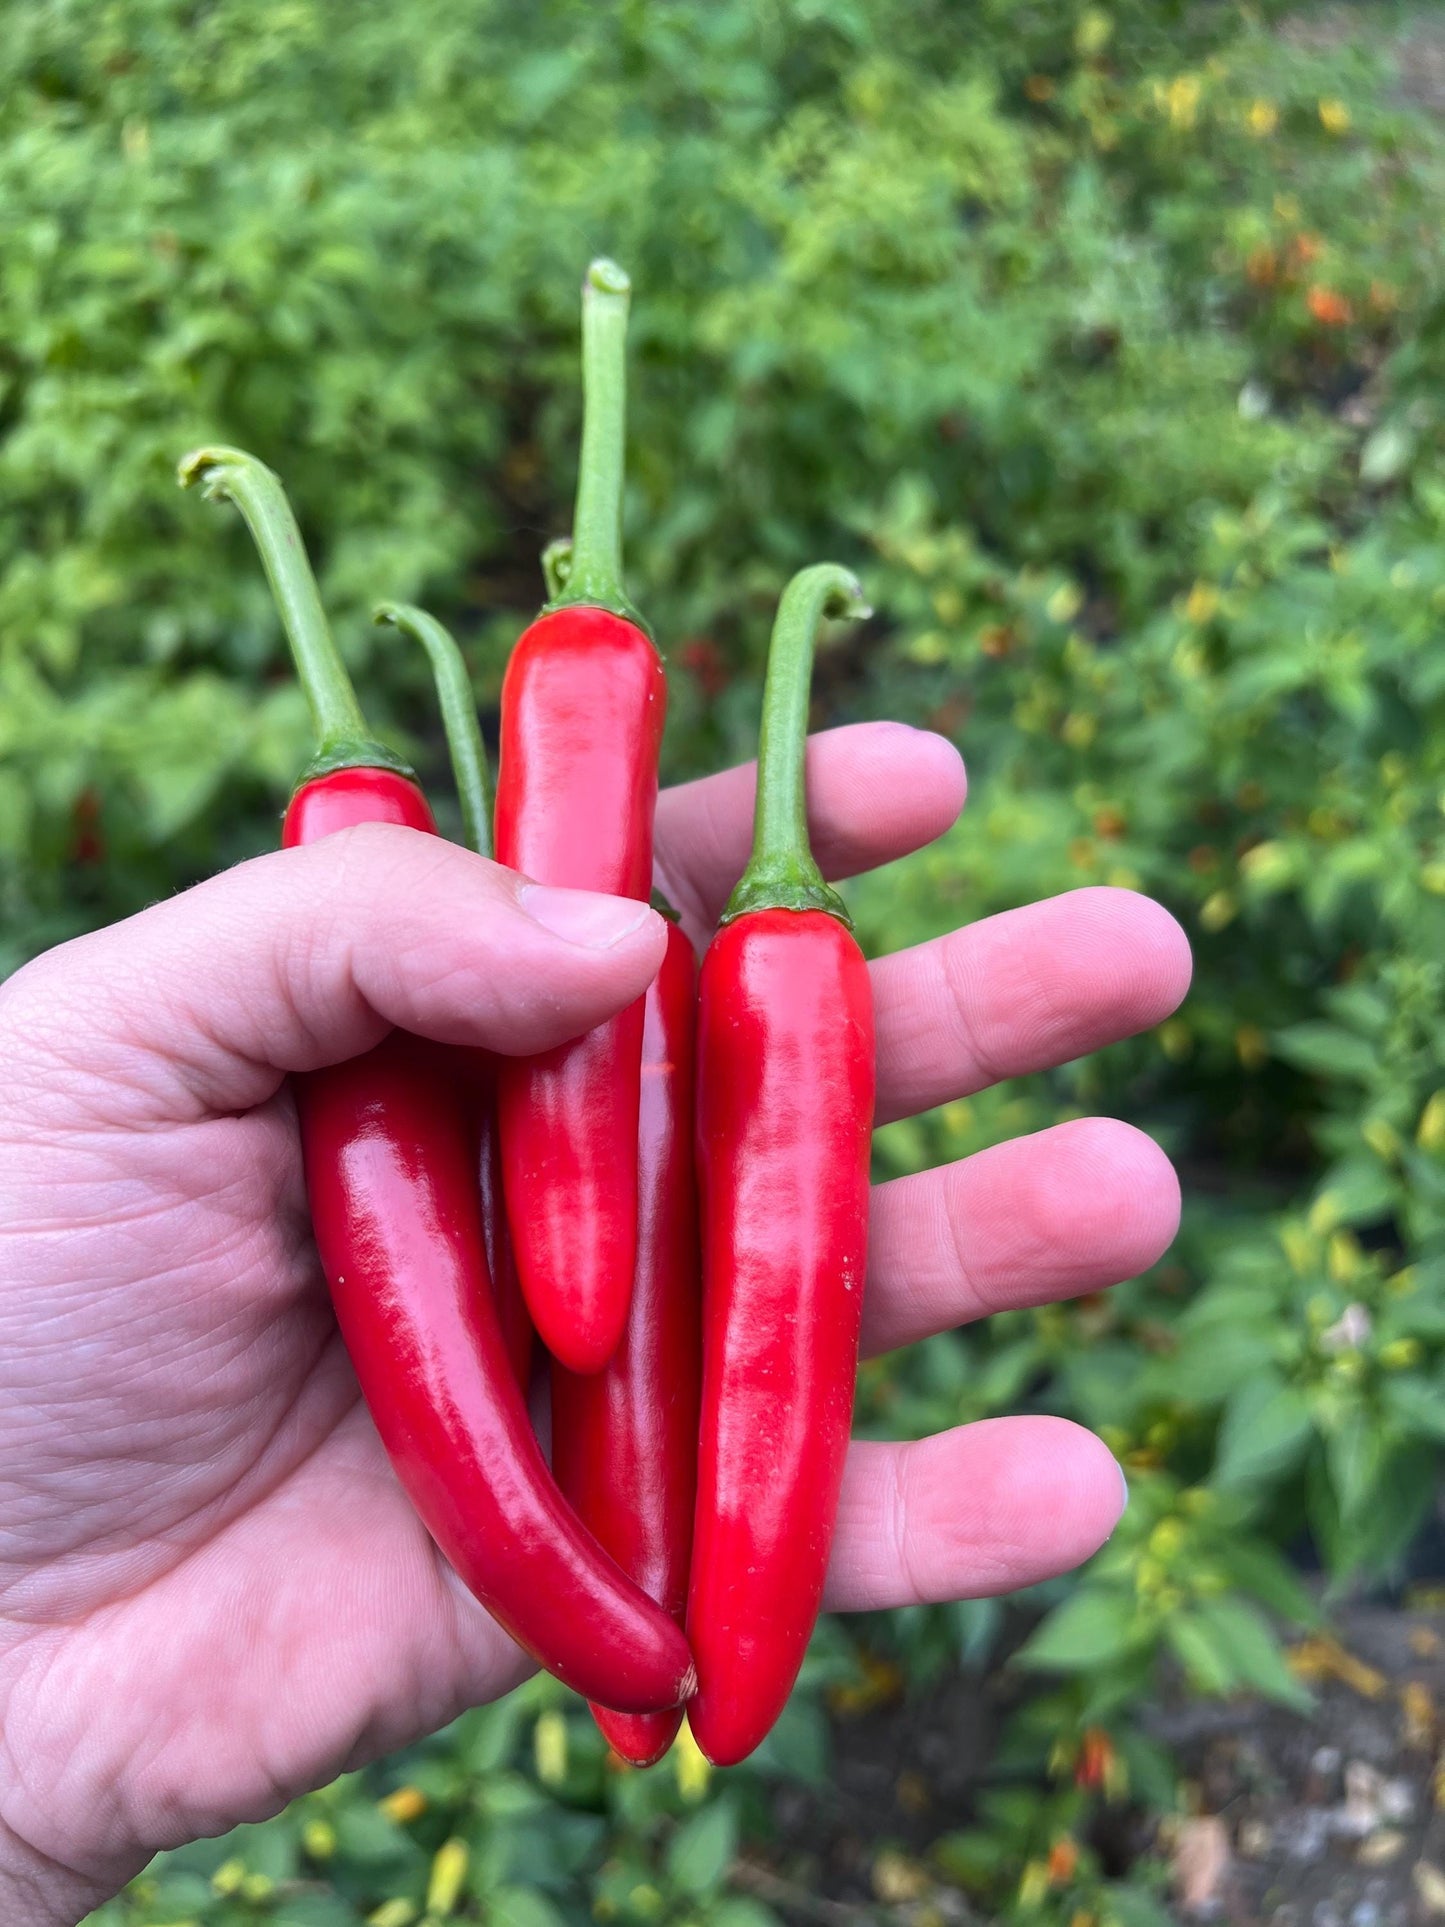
309	956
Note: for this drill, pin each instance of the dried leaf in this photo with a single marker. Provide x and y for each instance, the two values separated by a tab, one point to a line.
1320	1658
1417	1703
1381	1848
1430	1886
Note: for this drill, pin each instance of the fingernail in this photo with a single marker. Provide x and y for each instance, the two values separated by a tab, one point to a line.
583	916
1123	1489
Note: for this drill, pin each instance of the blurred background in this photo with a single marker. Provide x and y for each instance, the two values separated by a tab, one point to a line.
1107	343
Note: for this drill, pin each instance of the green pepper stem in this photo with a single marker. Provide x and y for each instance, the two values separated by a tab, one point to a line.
459	715
595	577
781	872
342	739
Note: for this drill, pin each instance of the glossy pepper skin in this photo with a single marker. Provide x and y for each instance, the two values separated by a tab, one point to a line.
395	1206
785	1071
478	1068
583	705
391	1170
624	1440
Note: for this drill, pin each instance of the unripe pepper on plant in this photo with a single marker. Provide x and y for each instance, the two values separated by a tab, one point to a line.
392	1182
582	713
624	1440
785	1111
468	755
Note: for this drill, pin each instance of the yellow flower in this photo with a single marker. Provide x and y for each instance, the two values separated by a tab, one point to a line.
1334	117
1263	118
1251	1046
1430	1132
1093	32
1202	603
1034	1883
406	1804
1268	866
549	1747
691	1766
392	1913
1176	1040
1400	1354
319	1839
1345	1256
1217	911
1180	100
1324	1213
228	1877
1065	602
448	1871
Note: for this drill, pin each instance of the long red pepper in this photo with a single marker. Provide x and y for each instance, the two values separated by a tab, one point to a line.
785	1112
624	1440
582	713
468	755
392	1183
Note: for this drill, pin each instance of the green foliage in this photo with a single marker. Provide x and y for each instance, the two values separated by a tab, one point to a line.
1107	344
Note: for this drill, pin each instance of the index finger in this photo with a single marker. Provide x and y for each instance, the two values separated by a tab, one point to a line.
876	791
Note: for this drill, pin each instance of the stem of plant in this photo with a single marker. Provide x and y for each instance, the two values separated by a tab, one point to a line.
782	873
342	739
595	575
459	715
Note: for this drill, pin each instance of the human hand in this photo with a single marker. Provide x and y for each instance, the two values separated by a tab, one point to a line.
213	1594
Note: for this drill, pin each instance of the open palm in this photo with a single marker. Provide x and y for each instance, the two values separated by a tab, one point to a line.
212	1592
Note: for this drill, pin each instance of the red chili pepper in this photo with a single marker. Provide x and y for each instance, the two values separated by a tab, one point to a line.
392	1182
468	755
785	1111
582	713
624	1440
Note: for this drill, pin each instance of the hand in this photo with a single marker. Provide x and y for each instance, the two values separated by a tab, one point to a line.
212	1593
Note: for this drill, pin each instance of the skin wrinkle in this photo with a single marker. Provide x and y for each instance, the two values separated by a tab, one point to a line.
1088	1202
1032	1021
192	1533
993	1532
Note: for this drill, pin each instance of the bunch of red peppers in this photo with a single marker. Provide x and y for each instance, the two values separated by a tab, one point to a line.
668	1214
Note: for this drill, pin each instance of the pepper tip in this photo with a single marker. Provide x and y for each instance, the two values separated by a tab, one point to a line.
203	467
606	277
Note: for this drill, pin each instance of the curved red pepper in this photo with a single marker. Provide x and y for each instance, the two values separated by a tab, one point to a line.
392	1186
583	704
516	1320
392	1181
624	1440
785	1109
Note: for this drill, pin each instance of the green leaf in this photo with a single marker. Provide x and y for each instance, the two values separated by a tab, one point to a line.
1133	1907
319	1910
1207	1664
703	1848
523	1907
1329	1051
1257	1568
1417	1404
1254	1653
739	1910
1088	1630
1264	1434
